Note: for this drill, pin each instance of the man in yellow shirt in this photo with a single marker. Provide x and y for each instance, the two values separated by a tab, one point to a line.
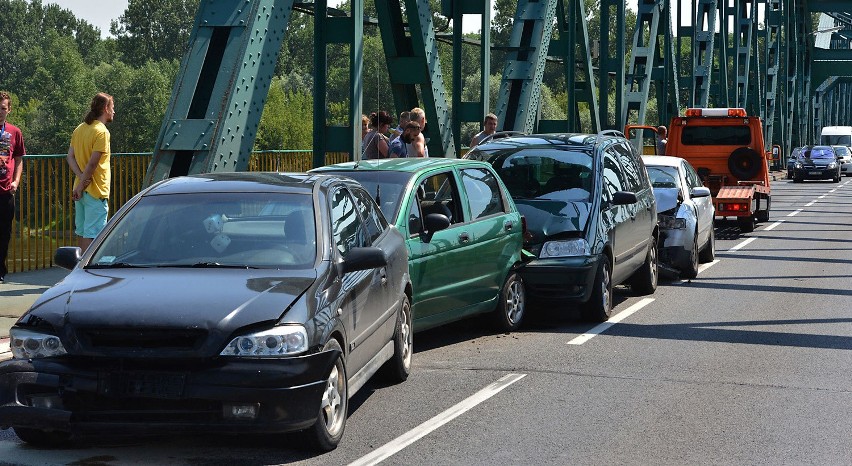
88	157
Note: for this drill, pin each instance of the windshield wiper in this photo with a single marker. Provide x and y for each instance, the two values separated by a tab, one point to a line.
211	265
116	265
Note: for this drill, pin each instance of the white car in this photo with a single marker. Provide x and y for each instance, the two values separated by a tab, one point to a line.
685	214
844	158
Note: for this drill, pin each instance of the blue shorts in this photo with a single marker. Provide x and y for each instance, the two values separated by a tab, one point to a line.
90	215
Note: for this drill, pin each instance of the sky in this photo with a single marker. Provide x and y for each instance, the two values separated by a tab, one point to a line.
97	12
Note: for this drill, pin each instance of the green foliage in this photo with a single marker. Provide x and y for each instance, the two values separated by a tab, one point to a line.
287	120
154	30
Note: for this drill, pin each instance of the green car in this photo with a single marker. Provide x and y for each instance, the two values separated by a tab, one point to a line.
463	231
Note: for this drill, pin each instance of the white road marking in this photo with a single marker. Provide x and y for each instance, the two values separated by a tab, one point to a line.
600	328
833	190
706	266
794	213
772	227
810	203
422	430
741	245
821	197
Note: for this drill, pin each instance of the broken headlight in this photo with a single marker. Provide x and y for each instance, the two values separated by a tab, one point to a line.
667	222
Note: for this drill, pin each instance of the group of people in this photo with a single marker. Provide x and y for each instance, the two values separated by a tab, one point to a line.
378	141
88	156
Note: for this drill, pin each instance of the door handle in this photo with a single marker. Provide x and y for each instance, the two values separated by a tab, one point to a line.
384	274
508	225
464	237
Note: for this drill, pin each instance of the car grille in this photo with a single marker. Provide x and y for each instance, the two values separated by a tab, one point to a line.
89	407
142	339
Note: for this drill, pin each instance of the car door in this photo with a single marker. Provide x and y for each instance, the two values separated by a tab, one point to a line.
439	264
365	291
643	213
494	235
616	219
703	205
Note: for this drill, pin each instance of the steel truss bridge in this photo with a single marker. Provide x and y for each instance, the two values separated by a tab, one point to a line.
787	61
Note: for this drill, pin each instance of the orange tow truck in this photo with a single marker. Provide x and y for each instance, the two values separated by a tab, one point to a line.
726	147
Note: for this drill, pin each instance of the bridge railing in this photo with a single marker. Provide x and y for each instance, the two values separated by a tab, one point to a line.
45	212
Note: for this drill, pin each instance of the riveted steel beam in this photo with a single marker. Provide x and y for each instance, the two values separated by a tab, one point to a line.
218	96
520	89
772	38
612	64
703	48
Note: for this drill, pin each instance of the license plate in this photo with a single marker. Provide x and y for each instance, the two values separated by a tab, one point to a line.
142	385
815	172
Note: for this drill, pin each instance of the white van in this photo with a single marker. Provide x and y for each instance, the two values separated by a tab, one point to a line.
836	136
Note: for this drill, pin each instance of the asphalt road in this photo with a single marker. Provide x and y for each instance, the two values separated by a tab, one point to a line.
746	364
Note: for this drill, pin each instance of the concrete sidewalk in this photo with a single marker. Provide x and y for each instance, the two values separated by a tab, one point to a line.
19	292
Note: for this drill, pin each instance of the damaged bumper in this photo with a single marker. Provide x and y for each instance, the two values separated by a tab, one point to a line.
130	397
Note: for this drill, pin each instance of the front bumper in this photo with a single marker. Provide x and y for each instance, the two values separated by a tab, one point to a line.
815	173
560	279
126	398
676	247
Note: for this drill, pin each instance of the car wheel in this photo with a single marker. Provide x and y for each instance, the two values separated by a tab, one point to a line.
837	178
708	254
396	370
691	269
797	179
644	281
599	306
42	438
512	304
746	224
328	429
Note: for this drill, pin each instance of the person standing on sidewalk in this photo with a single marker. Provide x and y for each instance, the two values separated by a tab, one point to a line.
12	152
88	157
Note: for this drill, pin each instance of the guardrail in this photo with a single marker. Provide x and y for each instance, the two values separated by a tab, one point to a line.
45	211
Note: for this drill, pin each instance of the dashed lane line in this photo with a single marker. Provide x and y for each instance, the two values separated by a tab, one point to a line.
600	328
742	245
772	227
794	213
413	435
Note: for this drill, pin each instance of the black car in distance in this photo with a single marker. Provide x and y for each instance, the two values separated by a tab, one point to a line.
816	163
234	303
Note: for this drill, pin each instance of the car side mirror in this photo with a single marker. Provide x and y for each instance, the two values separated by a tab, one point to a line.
700	192
624	197
363	259
67	257
433	223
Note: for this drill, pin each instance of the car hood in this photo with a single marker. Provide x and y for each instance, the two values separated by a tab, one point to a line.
206	306
667	198
547	218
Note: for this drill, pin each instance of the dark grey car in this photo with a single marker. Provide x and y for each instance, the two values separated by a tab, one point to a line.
238	303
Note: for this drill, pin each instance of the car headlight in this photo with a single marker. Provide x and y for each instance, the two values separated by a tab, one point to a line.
284	340
29	344
832	165
565	248
667	222
798	165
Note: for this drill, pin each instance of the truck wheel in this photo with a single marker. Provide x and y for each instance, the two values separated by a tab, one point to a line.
644	281
745	163
746	224
599	306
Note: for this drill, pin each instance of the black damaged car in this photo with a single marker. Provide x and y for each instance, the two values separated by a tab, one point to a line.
235	303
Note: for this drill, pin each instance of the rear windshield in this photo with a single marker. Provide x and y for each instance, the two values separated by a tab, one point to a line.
544	173
841	151
716	135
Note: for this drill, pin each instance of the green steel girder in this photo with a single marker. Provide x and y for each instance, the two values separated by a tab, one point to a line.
572	48
831	103
413	64
611	64
219	93
830	62
805	48
328	31
703	51
471	111
772	38
743	16
520	89
791	70
647	63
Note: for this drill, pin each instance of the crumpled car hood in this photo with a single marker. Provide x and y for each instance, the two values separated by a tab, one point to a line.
208	302
667	198
546	218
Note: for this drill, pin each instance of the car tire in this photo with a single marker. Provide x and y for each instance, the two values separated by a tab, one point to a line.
746	224
797	179
837	178
511	304
43	438
397	369
708	253
599	306
691	269
644	280
328	429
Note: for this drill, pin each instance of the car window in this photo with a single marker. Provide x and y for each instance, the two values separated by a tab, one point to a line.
612	176
440	196
692	178
841	151
385	186
346	227
374	222
264	230
630	165
542	173
415	218
483	192
664	177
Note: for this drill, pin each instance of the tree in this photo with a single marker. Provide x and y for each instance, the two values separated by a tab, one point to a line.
154	30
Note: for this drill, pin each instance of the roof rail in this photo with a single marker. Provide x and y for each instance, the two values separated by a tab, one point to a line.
501	134
611	132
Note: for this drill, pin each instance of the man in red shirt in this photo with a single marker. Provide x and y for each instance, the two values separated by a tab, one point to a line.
11	165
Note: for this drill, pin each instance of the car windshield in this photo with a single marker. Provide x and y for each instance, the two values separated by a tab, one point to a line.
546	173
819	152
663	176
386	187
243	230
841	151
837	139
